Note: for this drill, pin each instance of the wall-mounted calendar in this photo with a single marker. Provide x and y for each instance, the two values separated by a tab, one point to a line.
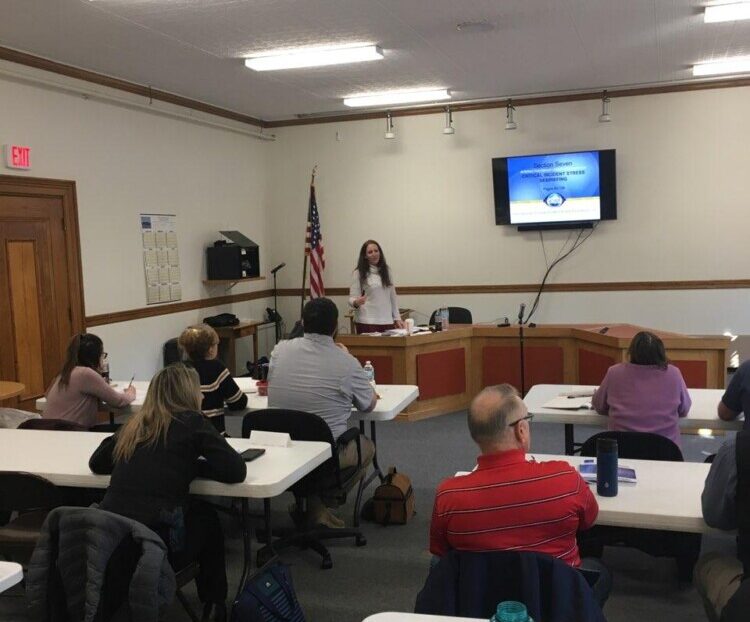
161	259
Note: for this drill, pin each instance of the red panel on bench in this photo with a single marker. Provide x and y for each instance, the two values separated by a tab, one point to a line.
543	365
383	367
592	366
441	373
694	372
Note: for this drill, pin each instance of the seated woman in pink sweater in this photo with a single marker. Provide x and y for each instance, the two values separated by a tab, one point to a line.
646	394
75	393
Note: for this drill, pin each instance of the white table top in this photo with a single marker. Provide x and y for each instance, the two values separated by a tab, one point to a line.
394	399
667	495
10	574
63	458
702	413
393	616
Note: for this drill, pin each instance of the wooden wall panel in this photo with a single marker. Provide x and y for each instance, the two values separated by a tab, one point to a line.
694	372
592	366
542	364
24	294
441	373
383	367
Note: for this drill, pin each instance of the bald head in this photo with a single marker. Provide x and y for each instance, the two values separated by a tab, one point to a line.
491	415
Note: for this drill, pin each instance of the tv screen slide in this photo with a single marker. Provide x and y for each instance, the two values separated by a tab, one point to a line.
560	188
554	188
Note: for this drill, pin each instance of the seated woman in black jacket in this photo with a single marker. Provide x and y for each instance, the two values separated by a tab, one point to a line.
201	345
153	458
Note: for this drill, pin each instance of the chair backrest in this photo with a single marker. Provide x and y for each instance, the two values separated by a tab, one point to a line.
24	492
636	446
300	426
12	417
456	315
105	427
60	425
470	584
171	352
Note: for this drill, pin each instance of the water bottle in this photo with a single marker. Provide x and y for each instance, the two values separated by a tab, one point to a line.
606	467
439	320
104	369
511	611
445	313
370	373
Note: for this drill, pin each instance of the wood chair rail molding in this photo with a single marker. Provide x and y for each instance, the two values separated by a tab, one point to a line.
202	303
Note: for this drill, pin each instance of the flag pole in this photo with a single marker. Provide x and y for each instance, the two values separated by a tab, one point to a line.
304	264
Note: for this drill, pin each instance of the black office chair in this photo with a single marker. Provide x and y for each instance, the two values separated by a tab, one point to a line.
48	594
105	427
456	315
32	497
684	547
171	352
57	425
328	478
470	584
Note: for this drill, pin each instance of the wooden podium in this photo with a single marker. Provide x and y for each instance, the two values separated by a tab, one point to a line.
452	366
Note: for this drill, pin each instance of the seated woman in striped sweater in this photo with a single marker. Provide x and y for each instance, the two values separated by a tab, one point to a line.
201	345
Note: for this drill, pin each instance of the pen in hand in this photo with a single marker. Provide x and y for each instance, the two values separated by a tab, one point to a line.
130	384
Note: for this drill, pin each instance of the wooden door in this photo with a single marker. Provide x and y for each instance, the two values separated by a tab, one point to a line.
41	302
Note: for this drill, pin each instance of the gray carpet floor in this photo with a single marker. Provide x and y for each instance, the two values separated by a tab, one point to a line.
387	573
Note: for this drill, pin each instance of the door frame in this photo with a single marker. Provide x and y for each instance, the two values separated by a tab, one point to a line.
15	185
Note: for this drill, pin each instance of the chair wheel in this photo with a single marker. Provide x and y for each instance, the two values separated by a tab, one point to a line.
360	540
327	563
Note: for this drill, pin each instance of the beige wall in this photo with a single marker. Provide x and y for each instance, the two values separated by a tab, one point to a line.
127	161
682	162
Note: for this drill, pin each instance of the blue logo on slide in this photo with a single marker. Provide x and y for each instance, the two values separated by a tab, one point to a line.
554	199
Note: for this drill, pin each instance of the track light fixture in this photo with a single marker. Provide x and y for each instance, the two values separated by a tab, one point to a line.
510	124
448	129
390	133
604	117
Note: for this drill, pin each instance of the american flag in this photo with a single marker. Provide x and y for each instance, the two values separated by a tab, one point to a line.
314	248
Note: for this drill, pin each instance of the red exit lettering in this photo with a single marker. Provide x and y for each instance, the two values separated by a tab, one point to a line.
18	156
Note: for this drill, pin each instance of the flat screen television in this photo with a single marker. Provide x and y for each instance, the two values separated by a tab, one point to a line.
555	190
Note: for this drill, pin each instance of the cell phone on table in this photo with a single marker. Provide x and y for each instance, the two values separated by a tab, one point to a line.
251	454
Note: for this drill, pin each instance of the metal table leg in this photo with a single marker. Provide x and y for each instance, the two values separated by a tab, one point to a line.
246	545
569	439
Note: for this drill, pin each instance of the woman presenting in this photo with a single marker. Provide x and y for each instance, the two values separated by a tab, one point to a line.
372	293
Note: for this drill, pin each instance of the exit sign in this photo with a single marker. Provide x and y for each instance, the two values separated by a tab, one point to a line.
18	156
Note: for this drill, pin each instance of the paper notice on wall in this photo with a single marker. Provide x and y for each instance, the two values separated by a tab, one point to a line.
161	259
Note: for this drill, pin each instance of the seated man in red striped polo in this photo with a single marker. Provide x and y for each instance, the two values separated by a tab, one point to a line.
509	502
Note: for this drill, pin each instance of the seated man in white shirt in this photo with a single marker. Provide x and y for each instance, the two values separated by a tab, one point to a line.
316	375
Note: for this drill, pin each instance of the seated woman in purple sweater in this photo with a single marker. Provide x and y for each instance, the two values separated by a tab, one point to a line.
646	394
76	392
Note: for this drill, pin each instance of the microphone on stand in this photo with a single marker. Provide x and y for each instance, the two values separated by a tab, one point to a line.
277	268
521	310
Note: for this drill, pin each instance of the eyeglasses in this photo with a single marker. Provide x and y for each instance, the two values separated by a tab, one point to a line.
528	418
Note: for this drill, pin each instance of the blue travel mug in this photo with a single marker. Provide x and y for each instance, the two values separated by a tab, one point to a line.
606	467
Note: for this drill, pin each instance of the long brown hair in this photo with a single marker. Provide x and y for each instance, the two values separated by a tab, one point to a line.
84	350
174	389
363	266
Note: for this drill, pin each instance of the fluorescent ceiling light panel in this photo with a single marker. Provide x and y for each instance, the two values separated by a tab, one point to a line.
738	64
387	98
727	12
313	57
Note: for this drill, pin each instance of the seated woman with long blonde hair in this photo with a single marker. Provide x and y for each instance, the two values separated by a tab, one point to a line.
153	458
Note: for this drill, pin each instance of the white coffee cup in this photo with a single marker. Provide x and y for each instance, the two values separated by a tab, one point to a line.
409	325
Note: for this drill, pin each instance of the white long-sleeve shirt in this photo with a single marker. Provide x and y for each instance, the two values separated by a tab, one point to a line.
381	306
